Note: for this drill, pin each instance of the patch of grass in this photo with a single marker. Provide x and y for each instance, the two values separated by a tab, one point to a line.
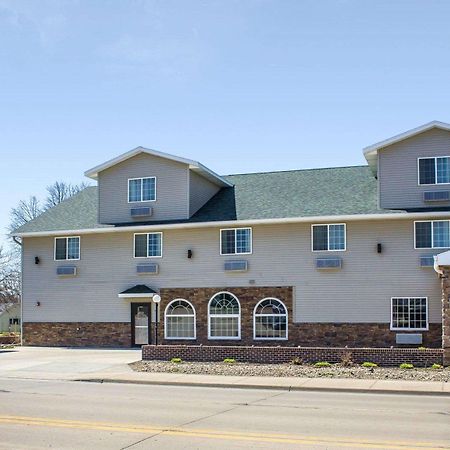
436	366
322	364
421	348
369	364
406	366
229	360
176	360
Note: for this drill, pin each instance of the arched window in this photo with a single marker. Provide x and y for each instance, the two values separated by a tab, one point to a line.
224	317
270	320
179	320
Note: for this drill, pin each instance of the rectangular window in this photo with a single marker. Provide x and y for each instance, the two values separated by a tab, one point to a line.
236	241
434	170
141	189
67	248
432	234
330	237
409	313
148	245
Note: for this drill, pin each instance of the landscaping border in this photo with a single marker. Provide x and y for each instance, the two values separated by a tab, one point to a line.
389	357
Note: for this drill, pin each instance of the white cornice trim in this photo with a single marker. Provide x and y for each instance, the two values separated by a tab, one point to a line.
149	295
193	165
407	134
239	223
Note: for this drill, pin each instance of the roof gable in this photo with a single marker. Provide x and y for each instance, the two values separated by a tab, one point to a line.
193	165
371	152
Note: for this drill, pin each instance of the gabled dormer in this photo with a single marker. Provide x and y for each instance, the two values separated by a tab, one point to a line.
413	168
145	185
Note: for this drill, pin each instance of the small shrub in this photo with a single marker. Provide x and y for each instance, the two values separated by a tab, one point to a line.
406	366
346	359
436	366
421	348
322	364
369	364
229	360
176	360
297	361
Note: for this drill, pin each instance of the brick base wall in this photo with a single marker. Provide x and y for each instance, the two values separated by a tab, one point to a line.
274	355
77	334
303	334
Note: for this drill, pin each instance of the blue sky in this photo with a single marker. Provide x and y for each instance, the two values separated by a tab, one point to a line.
242	86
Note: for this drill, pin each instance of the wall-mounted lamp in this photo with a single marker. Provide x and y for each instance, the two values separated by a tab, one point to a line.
190	254
379	248
37	260
38	303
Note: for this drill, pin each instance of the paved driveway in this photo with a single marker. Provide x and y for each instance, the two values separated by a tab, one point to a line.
51	363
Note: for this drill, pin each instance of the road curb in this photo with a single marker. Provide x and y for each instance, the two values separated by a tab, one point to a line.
266	387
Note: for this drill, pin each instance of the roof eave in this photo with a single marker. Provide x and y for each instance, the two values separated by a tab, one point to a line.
245	222
193	165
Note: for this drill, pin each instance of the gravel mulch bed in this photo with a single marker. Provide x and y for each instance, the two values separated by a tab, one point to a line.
292	370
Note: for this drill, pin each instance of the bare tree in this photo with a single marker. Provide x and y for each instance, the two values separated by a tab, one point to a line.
60	191
25	211
9	278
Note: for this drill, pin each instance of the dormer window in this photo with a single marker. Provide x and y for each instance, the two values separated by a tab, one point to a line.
434	170
141	189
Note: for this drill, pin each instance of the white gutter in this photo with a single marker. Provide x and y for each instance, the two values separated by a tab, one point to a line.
235	223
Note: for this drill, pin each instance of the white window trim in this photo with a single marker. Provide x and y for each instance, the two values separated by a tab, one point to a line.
408	329
67	248
235	241
180	315
270	315
432	235
435	170
210	316
147	257
328	239
142	190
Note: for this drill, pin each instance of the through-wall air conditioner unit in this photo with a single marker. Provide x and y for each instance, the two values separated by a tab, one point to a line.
236	266
436	196
143	211
427	261
331	262
66	271
148	268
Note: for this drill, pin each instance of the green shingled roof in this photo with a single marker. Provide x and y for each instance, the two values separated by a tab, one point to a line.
296	193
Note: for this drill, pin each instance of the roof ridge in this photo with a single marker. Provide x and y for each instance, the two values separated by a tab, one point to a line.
296	170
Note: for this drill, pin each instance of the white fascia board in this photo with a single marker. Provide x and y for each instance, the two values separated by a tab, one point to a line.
136	295
194	165
241	223
372	149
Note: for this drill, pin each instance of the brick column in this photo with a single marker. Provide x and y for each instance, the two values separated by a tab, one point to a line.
445	283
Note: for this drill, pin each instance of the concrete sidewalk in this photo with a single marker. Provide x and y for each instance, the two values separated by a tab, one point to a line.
283	383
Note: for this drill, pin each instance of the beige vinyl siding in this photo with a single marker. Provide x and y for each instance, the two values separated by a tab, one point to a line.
171	189
282	256
200	191
398	170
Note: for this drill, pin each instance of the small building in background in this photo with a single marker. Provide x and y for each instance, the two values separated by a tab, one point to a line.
10	318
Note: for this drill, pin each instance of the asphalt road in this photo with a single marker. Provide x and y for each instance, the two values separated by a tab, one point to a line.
67	414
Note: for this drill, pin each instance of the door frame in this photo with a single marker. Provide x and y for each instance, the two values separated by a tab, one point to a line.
133	309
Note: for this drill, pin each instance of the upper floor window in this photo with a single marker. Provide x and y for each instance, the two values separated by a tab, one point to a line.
235	241
148	245
432	234
409	313
434	170
141	189
330	237
67	248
